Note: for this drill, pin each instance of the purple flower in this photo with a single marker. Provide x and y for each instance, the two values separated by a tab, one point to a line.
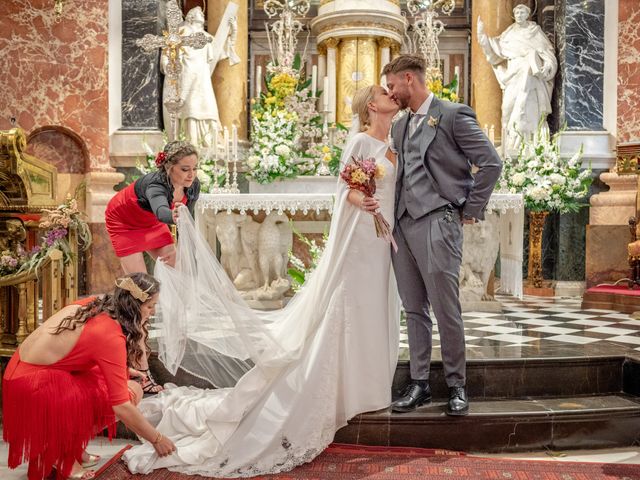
54	235
35	249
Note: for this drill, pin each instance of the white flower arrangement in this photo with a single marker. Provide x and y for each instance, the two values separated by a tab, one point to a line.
547	181
285	128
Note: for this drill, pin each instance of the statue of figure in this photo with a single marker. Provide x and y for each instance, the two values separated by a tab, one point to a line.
524	63
199	115
480	249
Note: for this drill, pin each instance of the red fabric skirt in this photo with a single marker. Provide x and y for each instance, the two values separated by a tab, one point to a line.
50	414
131	228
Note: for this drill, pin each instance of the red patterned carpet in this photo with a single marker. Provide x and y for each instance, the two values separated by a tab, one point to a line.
350	462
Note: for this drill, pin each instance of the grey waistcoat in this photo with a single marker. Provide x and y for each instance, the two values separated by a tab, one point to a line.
417	194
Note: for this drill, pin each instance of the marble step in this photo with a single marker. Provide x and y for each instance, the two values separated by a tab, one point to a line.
506	378
506	425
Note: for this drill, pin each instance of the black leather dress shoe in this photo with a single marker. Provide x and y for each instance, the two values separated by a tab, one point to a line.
458	404
413	396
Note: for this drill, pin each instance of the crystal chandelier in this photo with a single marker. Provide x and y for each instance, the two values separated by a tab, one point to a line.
422	36
283	33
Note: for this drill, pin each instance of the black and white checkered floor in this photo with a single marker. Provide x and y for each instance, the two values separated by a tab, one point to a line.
536	327
543	326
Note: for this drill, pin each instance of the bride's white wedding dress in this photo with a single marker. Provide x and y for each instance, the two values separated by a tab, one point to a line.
326	357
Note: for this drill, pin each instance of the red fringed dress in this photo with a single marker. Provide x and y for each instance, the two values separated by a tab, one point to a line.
50	412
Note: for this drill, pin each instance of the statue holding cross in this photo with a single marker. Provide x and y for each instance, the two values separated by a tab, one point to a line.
189	56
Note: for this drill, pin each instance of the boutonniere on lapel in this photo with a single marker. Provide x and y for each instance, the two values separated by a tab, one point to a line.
432	122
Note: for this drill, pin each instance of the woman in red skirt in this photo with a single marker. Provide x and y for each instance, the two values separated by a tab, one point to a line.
137	218
69	380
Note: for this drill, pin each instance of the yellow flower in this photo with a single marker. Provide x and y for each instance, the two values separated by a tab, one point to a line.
253	101
283	84
326	149
454	97
380	171
446	91
359	176
270	100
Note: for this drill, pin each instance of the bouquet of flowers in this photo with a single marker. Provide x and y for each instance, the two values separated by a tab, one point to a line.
361	174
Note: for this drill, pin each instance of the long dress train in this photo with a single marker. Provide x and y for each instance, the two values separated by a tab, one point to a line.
329	355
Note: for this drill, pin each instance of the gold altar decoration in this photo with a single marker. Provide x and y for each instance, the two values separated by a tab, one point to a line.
536	227
358	67
27	189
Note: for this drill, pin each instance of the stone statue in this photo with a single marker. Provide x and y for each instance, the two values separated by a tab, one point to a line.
199	114
255	255
13	236
479	254
524	63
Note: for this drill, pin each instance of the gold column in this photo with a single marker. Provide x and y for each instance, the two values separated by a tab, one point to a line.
230	82
486	94
357	68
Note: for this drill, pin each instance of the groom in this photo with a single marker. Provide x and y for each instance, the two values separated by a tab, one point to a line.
437	144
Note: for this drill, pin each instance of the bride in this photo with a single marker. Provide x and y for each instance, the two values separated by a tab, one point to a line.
297	374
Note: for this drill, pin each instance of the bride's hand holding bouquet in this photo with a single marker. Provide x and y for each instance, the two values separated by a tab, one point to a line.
360	175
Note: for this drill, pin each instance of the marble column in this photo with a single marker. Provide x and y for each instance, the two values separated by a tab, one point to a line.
141	78
486	94
322	72
580	46
230	83
628	71
332	73
385	51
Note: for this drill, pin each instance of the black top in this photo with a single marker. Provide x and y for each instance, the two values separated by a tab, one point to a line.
155	194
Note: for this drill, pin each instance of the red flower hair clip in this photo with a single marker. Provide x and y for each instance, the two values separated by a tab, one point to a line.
160	158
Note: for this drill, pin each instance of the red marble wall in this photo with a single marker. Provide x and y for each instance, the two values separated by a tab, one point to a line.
629	71
54	72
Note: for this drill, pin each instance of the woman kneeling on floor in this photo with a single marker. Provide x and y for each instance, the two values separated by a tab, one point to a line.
69	380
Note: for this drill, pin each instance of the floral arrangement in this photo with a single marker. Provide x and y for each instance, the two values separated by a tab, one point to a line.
55	244
446	92
547	181
11	262
286	129
361	174
299	271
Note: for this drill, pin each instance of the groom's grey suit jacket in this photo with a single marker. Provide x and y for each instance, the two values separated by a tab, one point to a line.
451	141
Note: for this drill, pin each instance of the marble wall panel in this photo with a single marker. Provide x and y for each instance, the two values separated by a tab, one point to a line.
54	71
59	148
580	78
629	71
141	78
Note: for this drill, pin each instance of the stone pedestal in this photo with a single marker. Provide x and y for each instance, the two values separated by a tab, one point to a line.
102	264
615	206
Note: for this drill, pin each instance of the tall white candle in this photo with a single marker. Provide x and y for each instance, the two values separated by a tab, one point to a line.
234	139
258	80
456	72
314	80
325	93
226	143
215	141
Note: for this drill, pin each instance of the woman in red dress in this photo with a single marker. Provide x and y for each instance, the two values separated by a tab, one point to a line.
68	381
137	218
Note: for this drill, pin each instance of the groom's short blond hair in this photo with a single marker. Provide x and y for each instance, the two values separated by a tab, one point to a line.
403	63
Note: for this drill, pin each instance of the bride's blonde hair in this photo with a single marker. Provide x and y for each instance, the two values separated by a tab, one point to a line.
360	105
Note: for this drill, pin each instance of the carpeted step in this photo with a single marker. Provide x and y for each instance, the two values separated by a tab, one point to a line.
506	425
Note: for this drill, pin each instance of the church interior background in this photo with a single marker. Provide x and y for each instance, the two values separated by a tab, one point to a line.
553	333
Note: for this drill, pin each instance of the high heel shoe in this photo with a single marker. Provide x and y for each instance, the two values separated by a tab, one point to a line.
82	475
92	461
